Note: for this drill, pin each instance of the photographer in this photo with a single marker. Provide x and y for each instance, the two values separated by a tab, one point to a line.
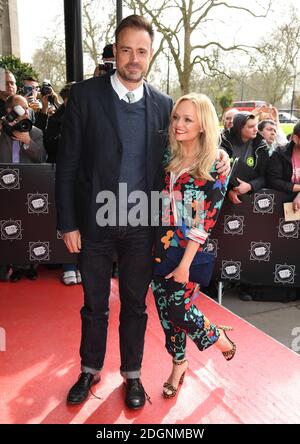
20	142
108	60
50	105
53	130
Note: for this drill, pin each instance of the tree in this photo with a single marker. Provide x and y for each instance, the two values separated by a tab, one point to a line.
50	62
17	67
96	32
275	62
192	18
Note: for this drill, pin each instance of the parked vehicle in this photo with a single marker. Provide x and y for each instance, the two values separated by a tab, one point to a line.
287	117
248	105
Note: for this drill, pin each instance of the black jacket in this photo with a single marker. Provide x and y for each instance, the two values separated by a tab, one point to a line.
90	151
280	169
261	152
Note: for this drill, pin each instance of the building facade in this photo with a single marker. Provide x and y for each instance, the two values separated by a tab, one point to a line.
9	28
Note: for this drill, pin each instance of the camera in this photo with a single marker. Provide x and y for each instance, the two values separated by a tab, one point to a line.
23	126
27	91
46	90
106	66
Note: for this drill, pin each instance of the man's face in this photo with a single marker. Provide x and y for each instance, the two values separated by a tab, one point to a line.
249	131
10	84
35	87
228	118
133	53
269	133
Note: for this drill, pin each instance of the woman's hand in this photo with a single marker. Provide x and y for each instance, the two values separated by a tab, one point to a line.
296	203
180	274
234	197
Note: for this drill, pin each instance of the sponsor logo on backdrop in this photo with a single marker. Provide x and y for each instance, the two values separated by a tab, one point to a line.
260	251
212	247
58	234
284	274
263	203
9	179
11	229
288	229
39	251
231	270
38	203
234	225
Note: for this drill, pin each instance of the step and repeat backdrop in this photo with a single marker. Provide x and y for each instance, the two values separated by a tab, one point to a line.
28	216
252	242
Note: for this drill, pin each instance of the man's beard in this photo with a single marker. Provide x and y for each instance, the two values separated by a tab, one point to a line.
130	77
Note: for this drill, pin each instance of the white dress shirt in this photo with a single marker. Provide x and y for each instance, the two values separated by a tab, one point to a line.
121	90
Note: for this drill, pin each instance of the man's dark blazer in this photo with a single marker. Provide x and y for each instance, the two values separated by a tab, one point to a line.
90	151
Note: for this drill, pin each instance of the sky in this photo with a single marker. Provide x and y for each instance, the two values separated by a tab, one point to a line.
38	18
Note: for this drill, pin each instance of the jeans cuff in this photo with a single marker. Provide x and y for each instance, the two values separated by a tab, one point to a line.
90	370
131	374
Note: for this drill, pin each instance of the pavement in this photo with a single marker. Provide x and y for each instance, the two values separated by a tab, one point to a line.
279	320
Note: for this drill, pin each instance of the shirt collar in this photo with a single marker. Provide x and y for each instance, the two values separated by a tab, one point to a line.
121	90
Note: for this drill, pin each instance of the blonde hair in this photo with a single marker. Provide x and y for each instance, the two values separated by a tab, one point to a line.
208	139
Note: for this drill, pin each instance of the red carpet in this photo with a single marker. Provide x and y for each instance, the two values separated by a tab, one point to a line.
42	324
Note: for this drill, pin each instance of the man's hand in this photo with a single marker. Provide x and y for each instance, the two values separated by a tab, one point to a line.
73	241
296	203
243	187
22	137
223	165
234	197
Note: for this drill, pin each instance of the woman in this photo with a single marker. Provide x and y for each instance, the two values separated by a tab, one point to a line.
195	192
283	173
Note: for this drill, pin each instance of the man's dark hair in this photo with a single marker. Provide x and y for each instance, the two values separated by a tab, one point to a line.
31	79
108	51
264	123
137	22
296	129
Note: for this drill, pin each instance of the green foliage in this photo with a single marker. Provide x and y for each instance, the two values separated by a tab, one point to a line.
287	128
17	67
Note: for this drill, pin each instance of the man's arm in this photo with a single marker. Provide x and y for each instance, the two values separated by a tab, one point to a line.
67	164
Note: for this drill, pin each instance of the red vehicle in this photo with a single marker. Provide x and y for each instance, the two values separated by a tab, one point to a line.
248	105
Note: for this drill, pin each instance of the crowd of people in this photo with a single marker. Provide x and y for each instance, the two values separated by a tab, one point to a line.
116	128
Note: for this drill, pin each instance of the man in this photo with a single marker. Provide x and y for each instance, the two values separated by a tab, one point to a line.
114	132
268	130
8	87
228	117
107	56
21	147
243	141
